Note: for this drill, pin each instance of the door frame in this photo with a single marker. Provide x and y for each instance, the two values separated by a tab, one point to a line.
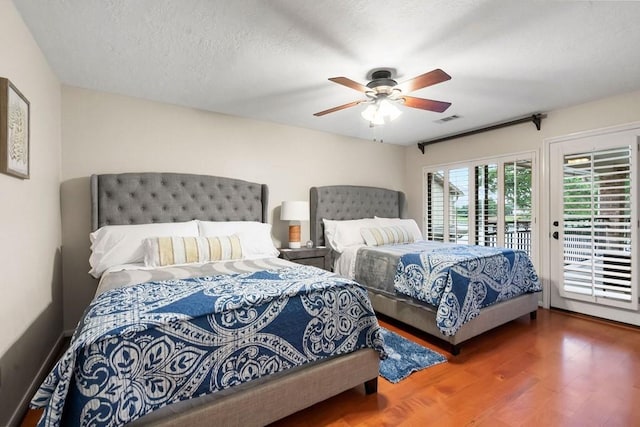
545	215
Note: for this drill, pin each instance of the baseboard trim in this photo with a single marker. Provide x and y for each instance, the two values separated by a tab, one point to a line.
49	361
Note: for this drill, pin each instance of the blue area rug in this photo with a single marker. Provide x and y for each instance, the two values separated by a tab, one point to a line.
405	357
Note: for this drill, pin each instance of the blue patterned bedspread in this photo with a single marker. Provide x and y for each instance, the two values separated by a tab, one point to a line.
142	347
461	279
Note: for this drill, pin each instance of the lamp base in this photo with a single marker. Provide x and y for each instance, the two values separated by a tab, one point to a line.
294	236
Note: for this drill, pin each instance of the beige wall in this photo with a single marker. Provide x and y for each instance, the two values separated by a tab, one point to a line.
524	137
106	133
30	307
603	113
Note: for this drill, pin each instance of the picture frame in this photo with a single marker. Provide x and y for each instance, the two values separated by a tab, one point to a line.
14	131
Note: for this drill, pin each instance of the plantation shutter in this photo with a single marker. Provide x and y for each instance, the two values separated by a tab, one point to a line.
458	202
518	177
434	219
486	200
597	227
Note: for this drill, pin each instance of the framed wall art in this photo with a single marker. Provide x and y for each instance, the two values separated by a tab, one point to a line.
14	131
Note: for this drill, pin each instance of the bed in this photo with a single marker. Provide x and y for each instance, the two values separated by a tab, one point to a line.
160	336
377	267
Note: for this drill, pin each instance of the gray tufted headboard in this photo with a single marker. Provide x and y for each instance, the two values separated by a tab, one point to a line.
342	202
148	197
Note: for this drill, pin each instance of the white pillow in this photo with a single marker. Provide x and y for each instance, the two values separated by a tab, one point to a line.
255	237
122	244
343	234
163	251
408	224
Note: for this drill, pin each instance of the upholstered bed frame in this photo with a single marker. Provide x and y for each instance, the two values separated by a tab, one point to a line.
343	202
141	198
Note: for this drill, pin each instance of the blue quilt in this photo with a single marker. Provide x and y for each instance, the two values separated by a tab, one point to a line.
142	347
461	279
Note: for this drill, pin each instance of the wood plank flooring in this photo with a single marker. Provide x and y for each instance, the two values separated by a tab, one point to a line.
559	370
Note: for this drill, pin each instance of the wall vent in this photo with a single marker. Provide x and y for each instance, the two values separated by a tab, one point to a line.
448	119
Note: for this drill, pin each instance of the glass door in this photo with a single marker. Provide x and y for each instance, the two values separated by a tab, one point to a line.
594	223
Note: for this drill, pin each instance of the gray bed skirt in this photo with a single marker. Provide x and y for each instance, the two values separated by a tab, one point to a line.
262	402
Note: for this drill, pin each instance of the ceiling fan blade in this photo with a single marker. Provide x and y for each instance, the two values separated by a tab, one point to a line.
349	83
338	108
425	104
427	79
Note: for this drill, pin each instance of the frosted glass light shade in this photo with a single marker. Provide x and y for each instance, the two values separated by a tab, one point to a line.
381	110
387	109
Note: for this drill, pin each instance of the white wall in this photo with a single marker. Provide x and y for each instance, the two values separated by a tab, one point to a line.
30	307
106	133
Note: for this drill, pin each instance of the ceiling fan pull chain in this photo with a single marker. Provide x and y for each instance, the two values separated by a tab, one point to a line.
378	130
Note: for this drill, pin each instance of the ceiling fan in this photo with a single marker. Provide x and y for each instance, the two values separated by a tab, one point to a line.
382	92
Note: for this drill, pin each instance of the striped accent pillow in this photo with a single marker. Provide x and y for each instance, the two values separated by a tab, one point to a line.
377	236
162	251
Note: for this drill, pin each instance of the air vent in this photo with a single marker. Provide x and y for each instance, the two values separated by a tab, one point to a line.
448	119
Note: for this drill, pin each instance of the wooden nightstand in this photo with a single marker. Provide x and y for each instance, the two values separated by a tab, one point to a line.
317	257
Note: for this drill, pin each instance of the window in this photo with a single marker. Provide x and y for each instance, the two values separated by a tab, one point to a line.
434	221
517	205
458	205
488	202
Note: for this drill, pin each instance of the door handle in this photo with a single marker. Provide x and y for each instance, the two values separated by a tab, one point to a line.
555	235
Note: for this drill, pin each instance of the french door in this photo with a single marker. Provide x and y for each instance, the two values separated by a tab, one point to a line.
594	225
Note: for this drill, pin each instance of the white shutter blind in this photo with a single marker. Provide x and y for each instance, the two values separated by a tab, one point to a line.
517	204
597	227
434	221
486	213
458	198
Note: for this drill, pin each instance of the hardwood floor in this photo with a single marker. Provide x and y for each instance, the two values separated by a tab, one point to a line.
559	370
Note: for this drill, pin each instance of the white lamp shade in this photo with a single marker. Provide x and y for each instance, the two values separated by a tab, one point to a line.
294	211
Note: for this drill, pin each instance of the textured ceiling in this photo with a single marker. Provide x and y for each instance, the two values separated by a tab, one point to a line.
270	60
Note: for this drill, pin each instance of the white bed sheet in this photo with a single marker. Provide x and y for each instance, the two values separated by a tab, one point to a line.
132	274
345	263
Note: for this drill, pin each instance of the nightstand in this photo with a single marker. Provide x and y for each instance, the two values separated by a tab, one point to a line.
317	257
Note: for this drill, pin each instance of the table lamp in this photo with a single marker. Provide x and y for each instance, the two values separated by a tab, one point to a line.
294	212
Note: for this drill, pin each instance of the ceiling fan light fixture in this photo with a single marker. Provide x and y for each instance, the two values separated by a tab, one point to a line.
388	109
372	115
380	112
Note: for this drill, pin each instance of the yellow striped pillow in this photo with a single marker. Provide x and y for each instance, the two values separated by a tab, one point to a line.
162	251
376	236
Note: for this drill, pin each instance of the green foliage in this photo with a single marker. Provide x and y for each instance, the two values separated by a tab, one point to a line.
580	190
517	188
